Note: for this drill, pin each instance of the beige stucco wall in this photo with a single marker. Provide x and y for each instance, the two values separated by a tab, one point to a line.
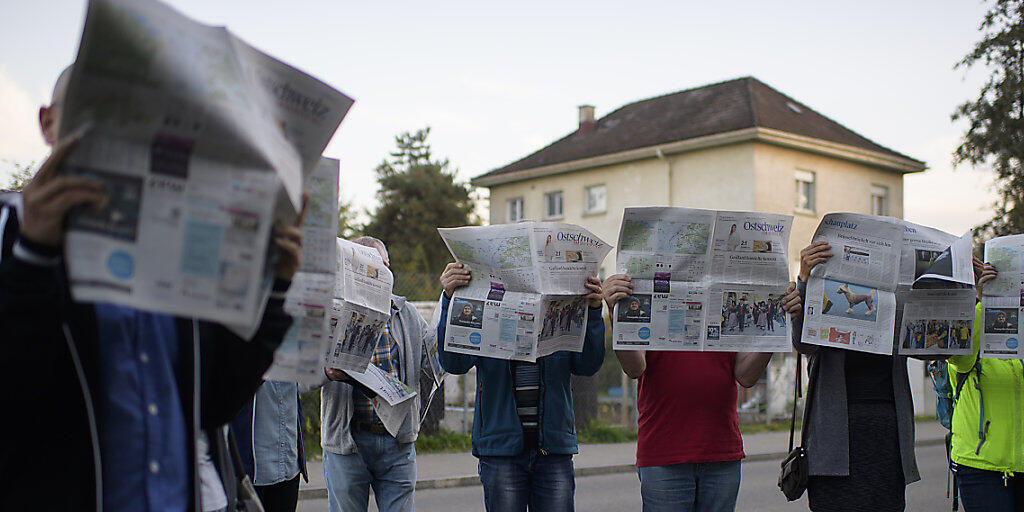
746	176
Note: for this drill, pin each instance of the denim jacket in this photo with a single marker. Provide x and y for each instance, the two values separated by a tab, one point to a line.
496	428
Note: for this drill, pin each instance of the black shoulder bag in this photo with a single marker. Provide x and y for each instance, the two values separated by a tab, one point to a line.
793	478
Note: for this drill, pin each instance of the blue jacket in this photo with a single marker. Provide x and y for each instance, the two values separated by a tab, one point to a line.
496	428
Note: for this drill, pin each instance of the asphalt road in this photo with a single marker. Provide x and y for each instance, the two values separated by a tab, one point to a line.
621	492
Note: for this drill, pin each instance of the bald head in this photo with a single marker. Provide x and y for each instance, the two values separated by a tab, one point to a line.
376	243
49	116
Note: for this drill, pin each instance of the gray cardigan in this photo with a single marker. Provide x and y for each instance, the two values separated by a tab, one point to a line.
826	427
411	333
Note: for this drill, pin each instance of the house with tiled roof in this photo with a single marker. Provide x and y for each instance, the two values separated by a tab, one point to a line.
736	145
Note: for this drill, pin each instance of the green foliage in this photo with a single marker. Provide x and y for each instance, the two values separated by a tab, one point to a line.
444	441
311	423
598	433
21	175
417	195
995	133
348	226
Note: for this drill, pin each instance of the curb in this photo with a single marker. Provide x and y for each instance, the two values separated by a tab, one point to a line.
320	493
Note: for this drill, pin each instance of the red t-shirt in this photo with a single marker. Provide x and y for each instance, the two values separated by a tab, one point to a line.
687	407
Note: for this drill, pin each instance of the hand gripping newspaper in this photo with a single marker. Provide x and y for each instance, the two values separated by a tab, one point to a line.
1001	299
361	306
935	294
300	358
201	142
703	280
525	298
851	299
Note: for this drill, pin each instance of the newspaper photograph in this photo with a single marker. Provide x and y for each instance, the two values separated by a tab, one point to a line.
392	399
851	298
525	298
200	142
703	280
937	322
300	358
1001	299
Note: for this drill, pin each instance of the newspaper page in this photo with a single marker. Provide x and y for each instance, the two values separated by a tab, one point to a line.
935	293
703	280
851	298
362	305
1001	299
310	297
194	135
392	400
525	297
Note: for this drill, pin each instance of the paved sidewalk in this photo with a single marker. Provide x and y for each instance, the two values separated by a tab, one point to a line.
459	469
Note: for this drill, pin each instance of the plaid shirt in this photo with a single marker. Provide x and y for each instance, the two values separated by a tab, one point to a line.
386	357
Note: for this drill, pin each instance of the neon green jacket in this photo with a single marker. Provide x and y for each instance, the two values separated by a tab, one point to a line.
1001	385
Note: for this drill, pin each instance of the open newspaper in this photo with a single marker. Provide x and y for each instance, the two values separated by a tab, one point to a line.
300	358
851	299
193	134
935	293
703	280
392	398
525	299
1001	299
361	306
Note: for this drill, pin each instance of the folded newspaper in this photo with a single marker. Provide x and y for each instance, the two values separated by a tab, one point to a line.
525	299
703	280
392	399
1001	299
361	306
851	299
193	134
300	358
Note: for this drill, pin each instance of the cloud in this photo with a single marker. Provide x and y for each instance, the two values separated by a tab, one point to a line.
19	132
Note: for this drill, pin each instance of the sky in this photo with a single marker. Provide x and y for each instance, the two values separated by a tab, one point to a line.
496	82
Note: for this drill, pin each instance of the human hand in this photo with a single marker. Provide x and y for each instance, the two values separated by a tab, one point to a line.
983	271
817	252
49	196
616	288
454	276
288	240
337	375
792	303
595	296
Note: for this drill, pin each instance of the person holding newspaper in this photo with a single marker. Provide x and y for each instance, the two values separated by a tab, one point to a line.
359	451
988	423
858	417
688	444
523	433
118	395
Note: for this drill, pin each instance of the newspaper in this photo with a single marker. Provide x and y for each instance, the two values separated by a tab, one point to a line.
361	306
201	142
935	293
392	400
525	299
1001	299
703	280
300	357
880	265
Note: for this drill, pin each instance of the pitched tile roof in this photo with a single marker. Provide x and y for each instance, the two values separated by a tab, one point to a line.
711	109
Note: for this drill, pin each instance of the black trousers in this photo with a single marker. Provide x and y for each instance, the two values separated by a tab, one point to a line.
280	497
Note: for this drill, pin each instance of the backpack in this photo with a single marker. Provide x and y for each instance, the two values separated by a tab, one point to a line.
945	400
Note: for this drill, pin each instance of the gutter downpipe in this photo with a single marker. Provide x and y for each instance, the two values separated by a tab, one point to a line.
668	172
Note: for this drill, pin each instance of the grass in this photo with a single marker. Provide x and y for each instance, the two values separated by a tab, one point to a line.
444	441
599	433
775	426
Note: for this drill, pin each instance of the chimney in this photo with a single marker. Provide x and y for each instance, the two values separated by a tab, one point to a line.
587	123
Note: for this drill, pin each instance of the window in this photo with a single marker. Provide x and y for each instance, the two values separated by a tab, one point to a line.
879	200
553	200
594	199
805	191
515	209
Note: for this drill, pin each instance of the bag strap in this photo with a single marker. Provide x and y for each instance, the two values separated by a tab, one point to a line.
797	392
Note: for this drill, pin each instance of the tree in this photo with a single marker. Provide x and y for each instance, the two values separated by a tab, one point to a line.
995	133
348	226
417	195
22	174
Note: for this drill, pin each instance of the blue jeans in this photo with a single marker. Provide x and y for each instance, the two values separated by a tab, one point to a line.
380	462
544	482
983	491
697	487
